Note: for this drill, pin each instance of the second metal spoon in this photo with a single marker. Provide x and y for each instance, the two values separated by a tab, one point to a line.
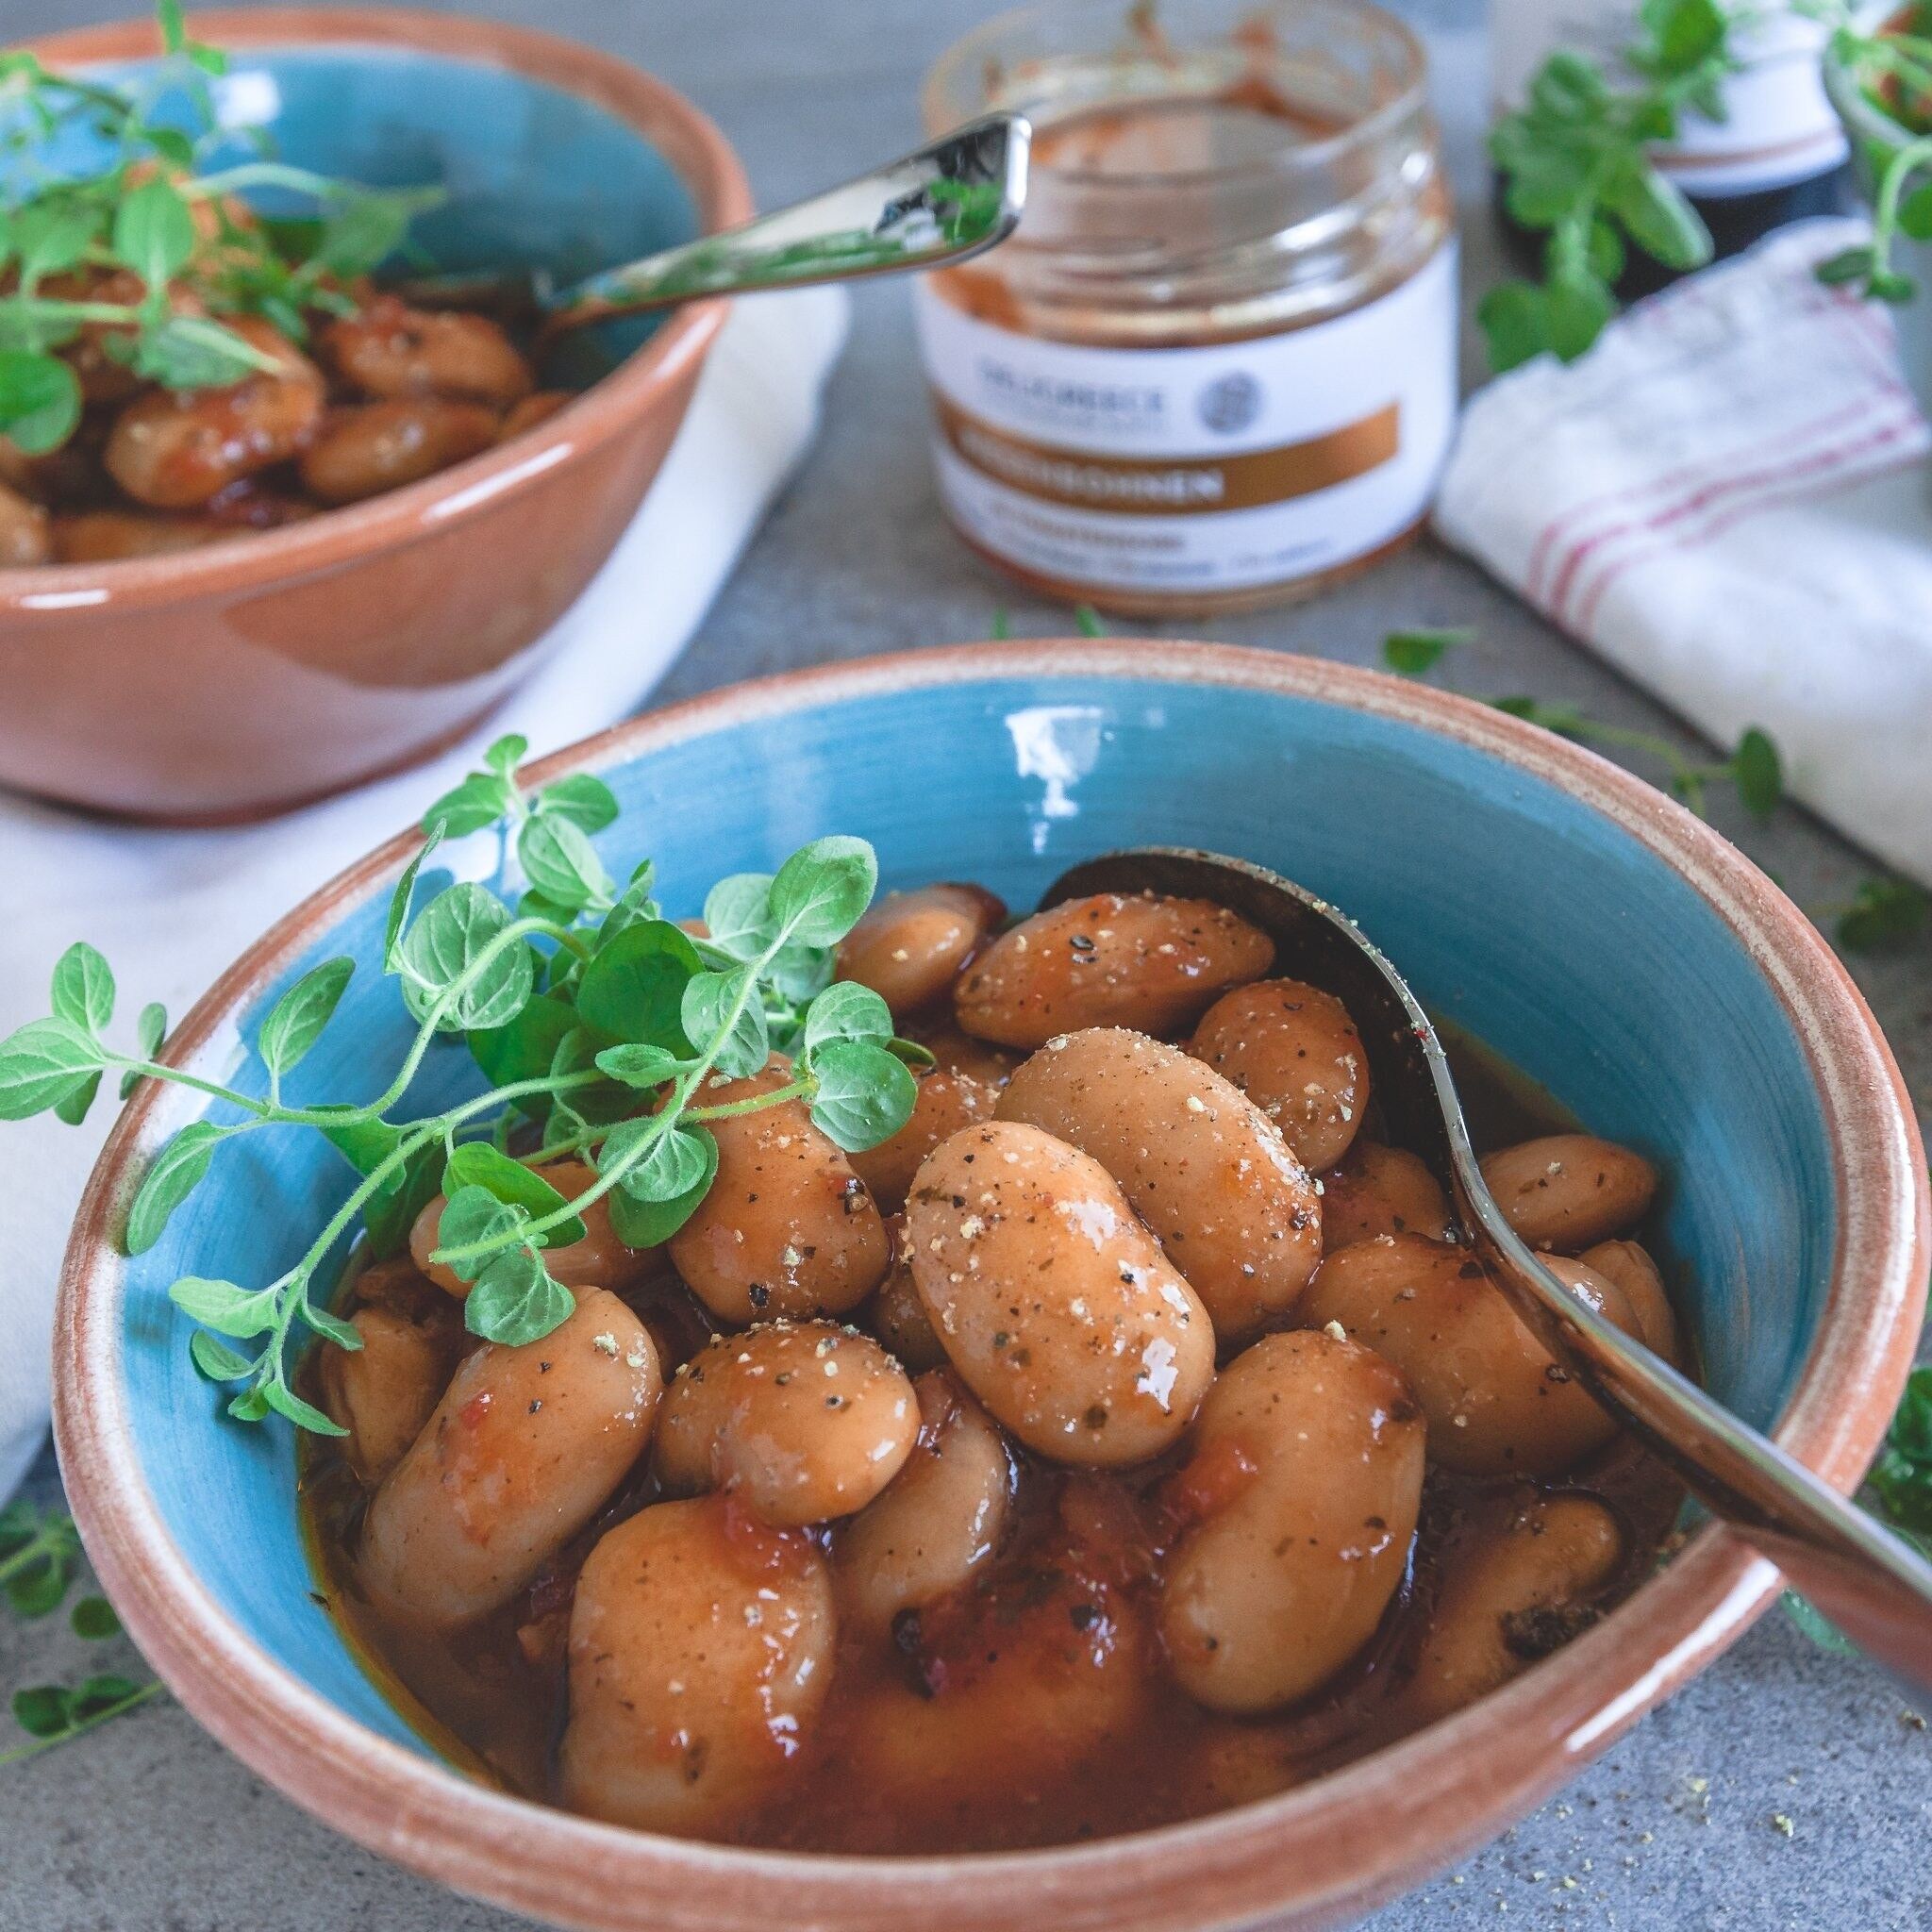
1873	1586
939	205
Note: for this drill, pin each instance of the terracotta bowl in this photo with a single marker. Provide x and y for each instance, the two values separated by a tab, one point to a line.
1611	946
249	676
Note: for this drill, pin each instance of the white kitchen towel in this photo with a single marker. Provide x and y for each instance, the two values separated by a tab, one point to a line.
171	909
1727	498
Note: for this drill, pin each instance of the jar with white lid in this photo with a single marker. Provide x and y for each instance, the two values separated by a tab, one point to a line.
1216	365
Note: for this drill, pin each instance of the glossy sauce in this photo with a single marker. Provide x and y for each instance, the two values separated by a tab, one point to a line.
924	1746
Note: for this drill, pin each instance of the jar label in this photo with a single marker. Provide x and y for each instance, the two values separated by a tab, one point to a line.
1229	467
1779	127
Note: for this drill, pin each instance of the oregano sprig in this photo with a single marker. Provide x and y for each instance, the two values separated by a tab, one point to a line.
197	256
1753	767
603	1028
40	1557
1883	912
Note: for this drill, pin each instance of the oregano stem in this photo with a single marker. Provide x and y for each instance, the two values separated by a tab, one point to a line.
804	1088
33	1749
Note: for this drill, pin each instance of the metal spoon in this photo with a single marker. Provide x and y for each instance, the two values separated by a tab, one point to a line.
942	203
1871	1585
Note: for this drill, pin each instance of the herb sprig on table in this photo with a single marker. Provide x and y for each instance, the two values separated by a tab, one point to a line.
194	250
601	1026
39	1556
1882	912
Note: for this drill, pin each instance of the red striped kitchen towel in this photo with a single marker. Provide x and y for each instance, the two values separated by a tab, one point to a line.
1727	498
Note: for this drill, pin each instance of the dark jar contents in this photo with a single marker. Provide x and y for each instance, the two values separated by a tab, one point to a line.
1216	366
998	1644
1777	155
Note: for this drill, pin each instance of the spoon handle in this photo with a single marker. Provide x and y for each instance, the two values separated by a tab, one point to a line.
1873	1585
938	205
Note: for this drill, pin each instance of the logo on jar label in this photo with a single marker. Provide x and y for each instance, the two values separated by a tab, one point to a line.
1229	403
1058	402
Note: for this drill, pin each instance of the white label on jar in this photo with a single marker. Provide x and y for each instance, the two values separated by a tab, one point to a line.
1230	467
1779	127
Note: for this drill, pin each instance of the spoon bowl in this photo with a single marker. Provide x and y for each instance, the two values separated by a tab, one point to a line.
1871	1583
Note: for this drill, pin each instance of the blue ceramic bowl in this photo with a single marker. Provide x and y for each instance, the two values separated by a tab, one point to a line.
1598	937
245	677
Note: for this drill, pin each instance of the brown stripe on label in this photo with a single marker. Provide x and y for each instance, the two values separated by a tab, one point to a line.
1171	486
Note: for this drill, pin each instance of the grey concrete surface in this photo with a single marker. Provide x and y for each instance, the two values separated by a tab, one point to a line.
148	1827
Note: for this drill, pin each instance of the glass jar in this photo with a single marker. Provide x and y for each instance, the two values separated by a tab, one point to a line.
1216	365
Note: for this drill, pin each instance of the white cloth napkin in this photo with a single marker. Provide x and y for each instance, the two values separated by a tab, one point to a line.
1727	498
171	909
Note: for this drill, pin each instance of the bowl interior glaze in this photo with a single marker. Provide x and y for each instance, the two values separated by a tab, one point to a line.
536	176
1520	913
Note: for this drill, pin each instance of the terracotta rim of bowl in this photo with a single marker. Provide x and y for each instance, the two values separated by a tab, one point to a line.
1309	1851
703	160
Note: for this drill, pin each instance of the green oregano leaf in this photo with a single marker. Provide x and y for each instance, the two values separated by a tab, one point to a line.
633	906
1413	653
43	1710
93	1619
506	754
480	800
42	1064
399	900
331	1327
585	800
1514	318
391	1212
821	890
633	988
216	1359
304	1415
477	1164
675	1161
223	1307
251	1405
650	1224
475	1215
1847	265
174	1174
1884	912
723	1008
71	1108
449	939
515	1301
560	862
738	914
846	1010
865	1094
154	232
83	989
526	1049
639	1066
295	1022
192	352
1758	774
40	401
